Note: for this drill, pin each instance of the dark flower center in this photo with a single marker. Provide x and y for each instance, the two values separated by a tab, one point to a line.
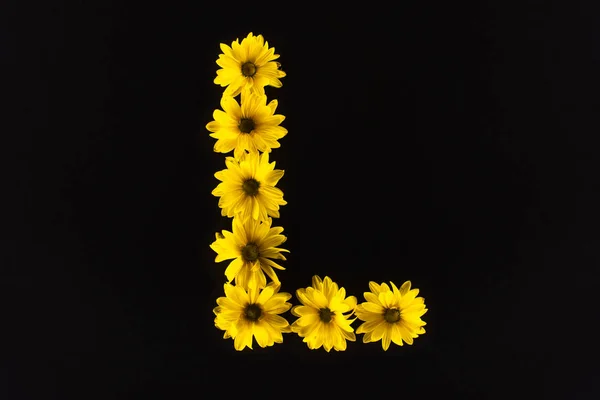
246	125
392	315
248	69
325	314
250	186
253	312
250	252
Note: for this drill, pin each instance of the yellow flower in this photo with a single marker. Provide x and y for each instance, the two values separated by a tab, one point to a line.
249	65
392	315
321	319
251	245
253	313
254	126
247	188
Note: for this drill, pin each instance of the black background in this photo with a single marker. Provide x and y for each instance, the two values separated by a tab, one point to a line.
449	144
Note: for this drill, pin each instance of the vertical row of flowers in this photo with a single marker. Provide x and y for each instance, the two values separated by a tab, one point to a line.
248	194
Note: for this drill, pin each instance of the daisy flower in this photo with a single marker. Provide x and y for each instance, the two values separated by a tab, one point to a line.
321	319
253	126
252	245
248	66
247	188
391	315
253	313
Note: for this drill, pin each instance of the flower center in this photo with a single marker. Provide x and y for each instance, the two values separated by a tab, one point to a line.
246	125
325	314
250	186
392	315
250	252
253	312
248	69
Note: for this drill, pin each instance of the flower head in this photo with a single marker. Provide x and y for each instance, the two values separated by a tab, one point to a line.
253	126
252	245
321	319
391	315
247	188
248	66
244	314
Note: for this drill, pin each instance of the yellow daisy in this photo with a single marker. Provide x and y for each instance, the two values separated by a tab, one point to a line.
251	246
253	127
249	65
244	314
391	315
321	319
247	188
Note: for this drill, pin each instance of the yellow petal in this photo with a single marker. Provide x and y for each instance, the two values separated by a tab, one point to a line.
213	126
228	304
342	323
261	335
304	299
396	335
375	288
406	336
369	326
404	288
236	294
319	299
387	338
234	269
307	320
300	311
265	295
370	297
366	315
387	299
276	321
373	308
367	337
243	339
377	333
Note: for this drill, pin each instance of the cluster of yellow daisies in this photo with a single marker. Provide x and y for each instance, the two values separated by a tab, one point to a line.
251	309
